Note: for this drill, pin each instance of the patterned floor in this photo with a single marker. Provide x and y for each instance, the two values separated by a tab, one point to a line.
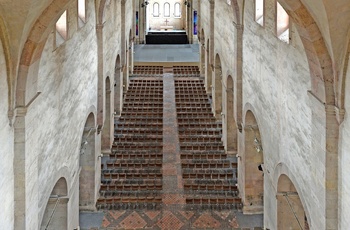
174	214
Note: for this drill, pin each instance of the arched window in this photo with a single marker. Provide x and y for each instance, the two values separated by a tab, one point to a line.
259	12
166	9
82	11
156	9
282	24
177	11
61	29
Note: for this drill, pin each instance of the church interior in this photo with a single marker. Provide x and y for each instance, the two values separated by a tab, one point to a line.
174	114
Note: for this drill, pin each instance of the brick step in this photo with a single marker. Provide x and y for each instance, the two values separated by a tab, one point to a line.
140	120
129	193
117	203
200	138
204	183
136	148
140	104
134	163
144	144
143	109
143	100
137	132
195	119
191	100
134	182
131	187
204	156
132	171
134	126
121	176
196	115
137	156
140	115
145	94
210	187
194	109
200	132
205	163
213	192
143	139
195	105
214	202
212	175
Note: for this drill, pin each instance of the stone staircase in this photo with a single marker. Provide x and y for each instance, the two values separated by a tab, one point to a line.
209	175
132	177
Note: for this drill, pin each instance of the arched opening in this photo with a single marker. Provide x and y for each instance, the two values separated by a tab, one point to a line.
290	210
118	90
87	158
107	131
55	215
208	70
202	70
231	126
218	88
253	167
125	69
131	52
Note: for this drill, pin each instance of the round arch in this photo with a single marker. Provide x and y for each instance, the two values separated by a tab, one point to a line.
56	211
251	167
290	210
118	90
231	126
208	75
217	87
87	163
107	131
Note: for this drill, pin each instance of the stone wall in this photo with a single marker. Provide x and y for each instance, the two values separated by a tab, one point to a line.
345	161
291	121
6	152
276	81
155	23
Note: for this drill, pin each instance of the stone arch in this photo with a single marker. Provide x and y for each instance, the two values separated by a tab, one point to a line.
290	210
208	74
320	62
56	211
87	164
217	87
107	131
342	82
324	78
231	126
252	166
4	42
202	40
34	46
118	90
130	49
236	11
101	8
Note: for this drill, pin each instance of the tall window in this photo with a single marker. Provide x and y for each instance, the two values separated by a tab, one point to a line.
282	24
156	10
61	29
166	9
259	11
81	12
177	11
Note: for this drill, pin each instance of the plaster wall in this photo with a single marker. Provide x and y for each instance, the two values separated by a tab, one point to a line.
155	23
6	152
276	81
225	38
345	161
67	80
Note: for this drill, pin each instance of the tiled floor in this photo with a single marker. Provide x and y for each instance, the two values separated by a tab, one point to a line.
174	213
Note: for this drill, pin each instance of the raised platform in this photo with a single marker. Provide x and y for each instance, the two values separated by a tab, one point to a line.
166	37
167	55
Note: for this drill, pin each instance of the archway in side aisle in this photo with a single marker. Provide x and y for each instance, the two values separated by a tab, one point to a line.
217	87
118	90
290	210
56	212
87	158
252	162
107	132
